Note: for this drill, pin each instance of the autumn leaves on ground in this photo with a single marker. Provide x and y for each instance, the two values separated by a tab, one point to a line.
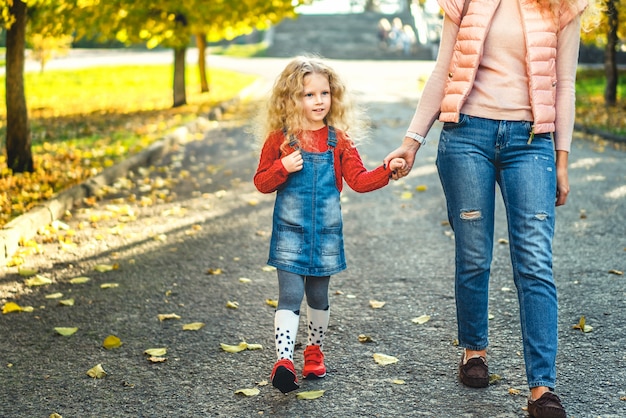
83	121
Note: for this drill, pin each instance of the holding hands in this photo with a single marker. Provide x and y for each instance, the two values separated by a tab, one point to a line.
398	166
405	152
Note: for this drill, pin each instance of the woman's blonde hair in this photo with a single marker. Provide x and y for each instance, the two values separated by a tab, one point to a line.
284	108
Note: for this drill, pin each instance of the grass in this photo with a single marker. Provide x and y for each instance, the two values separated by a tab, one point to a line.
83	121
591	110
240	50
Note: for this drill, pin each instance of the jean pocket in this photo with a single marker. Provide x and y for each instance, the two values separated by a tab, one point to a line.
331	241
290	238
463	119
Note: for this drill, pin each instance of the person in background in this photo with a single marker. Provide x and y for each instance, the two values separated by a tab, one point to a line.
503	86
306	155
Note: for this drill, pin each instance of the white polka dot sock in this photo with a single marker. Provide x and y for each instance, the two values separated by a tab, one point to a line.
317	325
286	328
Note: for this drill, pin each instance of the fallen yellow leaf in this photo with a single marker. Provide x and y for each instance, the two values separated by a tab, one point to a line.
268	268
272	302
105	267
406	196
582	325
67	302
156	351
111	342
214	271
157	359
398	382
79	280
513	391
232	305
26	272
376	304
616	272
494	378
11	307
55	415
421	188
254	347
65	331
97	372
384	359
244	280
194	326
54	295
234	348
163	317
421	319
38	280
365	338
311	394
248	392
108	285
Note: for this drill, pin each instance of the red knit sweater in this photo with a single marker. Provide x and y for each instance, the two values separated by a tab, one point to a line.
271	173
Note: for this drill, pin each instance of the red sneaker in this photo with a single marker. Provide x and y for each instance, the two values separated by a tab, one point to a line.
283	376
313	362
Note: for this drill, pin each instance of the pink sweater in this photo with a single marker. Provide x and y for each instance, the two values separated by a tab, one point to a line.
500	90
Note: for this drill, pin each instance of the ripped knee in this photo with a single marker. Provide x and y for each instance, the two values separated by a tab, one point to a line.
471	215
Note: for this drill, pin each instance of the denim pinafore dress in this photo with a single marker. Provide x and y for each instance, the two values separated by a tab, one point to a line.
307	231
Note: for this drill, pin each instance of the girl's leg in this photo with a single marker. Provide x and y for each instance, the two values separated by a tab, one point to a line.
318	313
287	316
528	183
318	309
286	320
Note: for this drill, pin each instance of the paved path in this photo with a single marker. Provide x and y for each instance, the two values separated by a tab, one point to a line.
196	213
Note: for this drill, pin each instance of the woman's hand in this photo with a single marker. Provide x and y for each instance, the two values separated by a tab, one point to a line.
406	151
562	179
293	162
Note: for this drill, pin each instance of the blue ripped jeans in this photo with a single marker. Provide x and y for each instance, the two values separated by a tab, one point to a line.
474	156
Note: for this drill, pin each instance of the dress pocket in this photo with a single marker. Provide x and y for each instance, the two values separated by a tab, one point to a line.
331	241
290	238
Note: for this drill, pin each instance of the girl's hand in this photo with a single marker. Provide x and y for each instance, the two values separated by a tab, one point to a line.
293	162
407	151
399	168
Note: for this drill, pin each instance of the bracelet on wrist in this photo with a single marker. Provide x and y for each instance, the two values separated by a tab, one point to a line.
416	137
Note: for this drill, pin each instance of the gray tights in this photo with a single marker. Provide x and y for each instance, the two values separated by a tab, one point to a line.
292	288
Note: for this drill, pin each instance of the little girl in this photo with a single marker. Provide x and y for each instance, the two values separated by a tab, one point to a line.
305	157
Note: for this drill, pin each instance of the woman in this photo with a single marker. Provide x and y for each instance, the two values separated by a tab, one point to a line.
504	85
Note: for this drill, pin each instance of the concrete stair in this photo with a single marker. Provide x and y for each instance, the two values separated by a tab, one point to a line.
341	36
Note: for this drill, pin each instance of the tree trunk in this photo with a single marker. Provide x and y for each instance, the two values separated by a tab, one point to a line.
180	96
610	53
18	139
201	44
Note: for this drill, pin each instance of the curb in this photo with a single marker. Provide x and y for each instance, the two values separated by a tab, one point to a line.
26	226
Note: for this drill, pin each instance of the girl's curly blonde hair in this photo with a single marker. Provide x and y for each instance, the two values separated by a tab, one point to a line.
284	108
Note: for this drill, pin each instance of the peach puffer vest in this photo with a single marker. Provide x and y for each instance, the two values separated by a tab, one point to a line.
541	43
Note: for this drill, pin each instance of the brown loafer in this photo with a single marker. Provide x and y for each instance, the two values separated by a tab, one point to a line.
474	373
547	406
